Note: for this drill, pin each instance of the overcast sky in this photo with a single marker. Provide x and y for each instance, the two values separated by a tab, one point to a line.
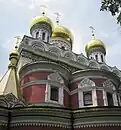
77	15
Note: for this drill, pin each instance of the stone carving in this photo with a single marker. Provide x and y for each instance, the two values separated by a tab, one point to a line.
55	50
86	83
105	67
93	64
10	101
116	71
108	85
82	59
70	55
55	77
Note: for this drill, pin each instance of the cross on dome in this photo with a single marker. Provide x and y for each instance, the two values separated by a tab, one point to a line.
57	17
18	38
93	32
43	9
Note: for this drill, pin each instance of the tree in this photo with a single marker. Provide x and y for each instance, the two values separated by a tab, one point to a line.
114	7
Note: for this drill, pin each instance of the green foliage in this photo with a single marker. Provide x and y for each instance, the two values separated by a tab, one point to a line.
113	6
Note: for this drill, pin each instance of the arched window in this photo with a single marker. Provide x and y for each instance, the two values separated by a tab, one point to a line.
96	56
48	38
87	98
43	36
37	34
102	58
110	99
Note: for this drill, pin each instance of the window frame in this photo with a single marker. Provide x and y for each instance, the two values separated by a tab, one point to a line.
87	93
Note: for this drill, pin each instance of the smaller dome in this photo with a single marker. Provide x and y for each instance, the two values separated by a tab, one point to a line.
95	44
61	31
41	19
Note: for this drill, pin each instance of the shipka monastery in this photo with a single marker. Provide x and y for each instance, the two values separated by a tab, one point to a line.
49	87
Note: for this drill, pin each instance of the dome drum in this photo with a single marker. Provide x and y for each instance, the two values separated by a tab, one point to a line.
39	26
100	49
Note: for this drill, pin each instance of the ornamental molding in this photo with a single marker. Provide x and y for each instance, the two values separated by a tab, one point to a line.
86	83
60	125
10	101
108	85
97	125
56	77
88	76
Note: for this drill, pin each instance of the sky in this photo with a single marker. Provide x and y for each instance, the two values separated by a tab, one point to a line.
76	15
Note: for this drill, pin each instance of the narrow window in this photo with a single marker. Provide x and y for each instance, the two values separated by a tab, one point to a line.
43	36
87	98
48	38
54	94
102	58
96	56
37	34
110	99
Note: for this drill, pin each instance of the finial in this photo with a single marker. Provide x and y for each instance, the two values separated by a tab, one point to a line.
18	38
57	17
93	34
43	7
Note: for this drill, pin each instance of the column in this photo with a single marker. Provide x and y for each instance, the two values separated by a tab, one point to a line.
105	98
47	93
61	95
94	97
80	99
115	100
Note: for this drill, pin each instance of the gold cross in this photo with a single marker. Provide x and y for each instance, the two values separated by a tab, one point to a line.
93	32
18	38
57	17
43	9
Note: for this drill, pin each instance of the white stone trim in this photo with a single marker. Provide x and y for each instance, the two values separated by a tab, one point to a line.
58	82
84	86
94	97
109	87
115	99
105	98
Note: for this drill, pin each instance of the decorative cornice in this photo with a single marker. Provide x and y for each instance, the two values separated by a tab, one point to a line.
97	125
41	124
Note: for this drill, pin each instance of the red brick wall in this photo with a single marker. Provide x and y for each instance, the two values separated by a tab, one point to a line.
100	100
74	101
35	93
66	99
35	76
98	81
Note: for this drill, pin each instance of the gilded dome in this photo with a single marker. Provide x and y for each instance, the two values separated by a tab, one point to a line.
41	19
61	31
94	44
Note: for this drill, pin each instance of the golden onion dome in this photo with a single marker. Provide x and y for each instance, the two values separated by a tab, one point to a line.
41	19
61	31
95	44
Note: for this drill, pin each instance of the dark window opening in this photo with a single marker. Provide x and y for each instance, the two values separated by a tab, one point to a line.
96	56
43	36
48	38
109	99
87	98
54	94
102	58
37	34
63	48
